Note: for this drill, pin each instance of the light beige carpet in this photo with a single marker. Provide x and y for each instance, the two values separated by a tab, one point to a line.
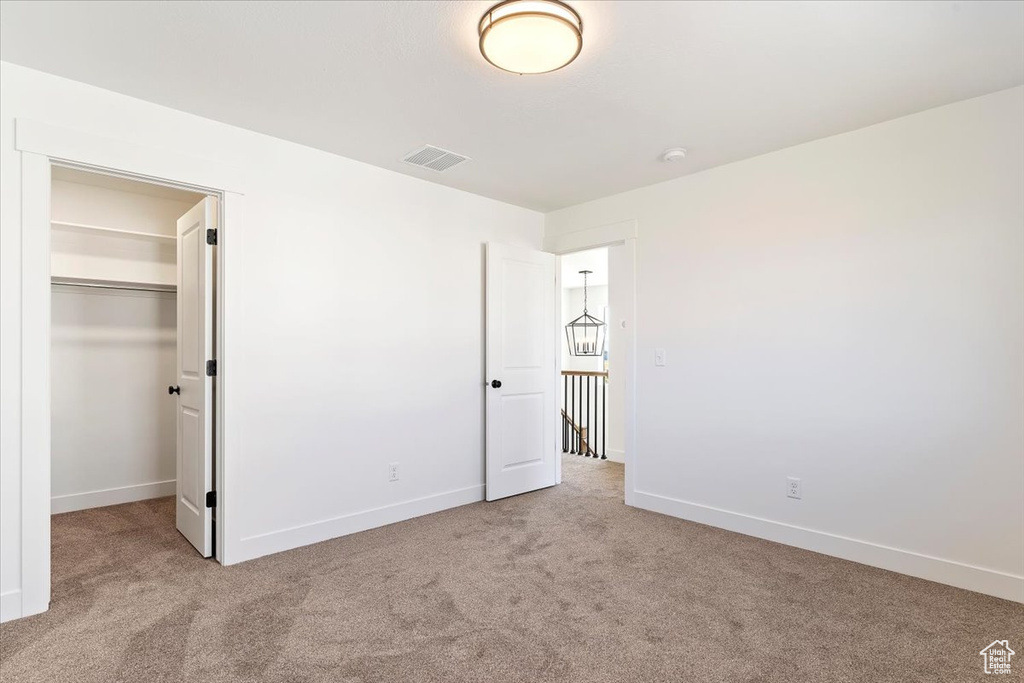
565	584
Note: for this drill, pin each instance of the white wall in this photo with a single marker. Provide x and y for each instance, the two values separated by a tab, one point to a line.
850	312
333	251
112	430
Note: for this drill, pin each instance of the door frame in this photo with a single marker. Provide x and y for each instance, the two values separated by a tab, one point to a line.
621	234
41	146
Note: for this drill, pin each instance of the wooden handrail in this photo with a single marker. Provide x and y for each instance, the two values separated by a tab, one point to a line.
583	373
582	431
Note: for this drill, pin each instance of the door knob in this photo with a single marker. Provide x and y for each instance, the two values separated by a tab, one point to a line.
174	390
496	384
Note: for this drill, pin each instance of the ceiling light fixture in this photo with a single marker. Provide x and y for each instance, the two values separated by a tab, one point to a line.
531	36
586	334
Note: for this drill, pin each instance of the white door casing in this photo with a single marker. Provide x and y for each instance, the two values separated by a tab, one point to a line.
39	144
520	348
195	400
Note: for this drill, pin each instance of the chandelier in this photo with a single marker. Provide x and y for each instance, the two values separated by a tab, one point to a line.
586	334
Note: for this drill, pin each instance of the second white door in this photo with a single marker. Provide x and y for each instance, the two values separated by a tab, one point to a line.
195	379
521	382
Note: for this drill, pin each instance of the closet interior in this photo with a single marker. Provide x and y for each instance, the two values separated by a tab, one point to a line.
114	338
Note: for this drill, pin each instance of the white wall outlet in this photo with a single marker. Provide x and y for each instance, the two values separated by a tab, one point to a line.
659	357
793	488
393	472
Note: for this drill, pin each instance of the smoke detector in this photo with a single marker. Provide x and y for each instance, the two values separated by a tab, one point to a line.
434	158
674	154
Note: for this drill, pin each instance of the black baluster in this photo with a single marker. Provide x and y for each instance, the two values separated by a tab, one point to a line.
604	417
582	422
586	418
593	432
576	418
572	412
579	418
565	404
597	425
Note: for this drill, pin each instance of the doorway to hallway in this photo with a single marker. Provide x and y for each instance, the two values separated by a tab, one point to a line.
525	333
591	414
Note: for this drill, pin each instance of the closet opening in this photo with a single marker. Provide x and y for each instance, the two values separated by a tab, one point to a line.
133	364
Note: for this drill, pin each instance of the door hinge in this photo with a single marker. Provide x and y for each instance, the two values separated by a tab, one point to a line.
211	236
211	368
211	499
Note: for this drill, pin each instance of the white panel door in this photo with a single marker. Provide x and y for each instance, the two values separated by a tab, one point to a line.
521	382
195	387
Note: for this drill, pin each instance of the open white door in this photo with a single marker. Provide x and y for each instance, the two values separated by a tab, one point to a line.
521	371
195	379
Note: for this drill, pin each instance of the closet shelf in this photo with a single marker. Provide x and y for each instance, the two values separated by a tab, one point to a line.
118	232
113	284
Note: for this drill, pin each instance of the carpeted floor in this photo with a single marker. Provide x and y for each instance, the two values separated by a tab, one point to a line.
565	584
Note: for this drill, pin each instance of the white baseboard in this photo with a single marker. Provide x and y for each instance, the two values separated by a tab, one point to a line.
259	545
10	605
990	582
102	498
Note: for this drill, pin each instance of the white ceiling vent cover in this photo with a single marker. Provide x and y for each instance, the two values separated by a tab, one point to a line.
434	158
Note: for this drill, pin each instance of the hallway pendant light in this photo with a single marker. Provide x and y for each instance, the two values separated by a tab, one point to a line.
531	36
586	334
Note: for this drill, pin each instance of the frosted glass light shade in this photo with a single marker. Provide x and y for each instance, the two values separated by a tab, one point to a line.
531	36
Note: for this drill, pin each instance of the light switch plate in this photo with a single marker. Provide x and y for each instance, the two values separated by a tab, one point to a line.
659	357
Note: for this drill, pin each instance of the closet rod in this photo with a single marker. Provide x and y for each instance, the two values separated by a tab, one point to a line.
169	289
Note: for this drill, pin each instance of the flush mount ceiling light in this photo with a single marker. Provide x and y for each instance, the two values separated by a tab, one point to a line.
531	36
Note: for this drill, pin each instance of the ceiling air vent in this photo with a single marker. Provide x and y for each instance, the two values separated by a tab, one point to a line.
434	158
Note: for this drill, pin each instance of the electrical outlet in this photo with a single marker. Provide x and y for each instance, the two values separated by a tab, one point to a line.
793	488
393	472
659	357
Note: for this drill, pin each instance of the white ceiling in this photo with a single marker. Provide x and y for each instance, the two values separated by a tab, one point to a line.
594	260
375	80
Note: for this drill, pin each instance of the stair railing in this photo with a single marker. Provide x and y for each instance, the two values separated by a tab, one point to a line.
584	413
